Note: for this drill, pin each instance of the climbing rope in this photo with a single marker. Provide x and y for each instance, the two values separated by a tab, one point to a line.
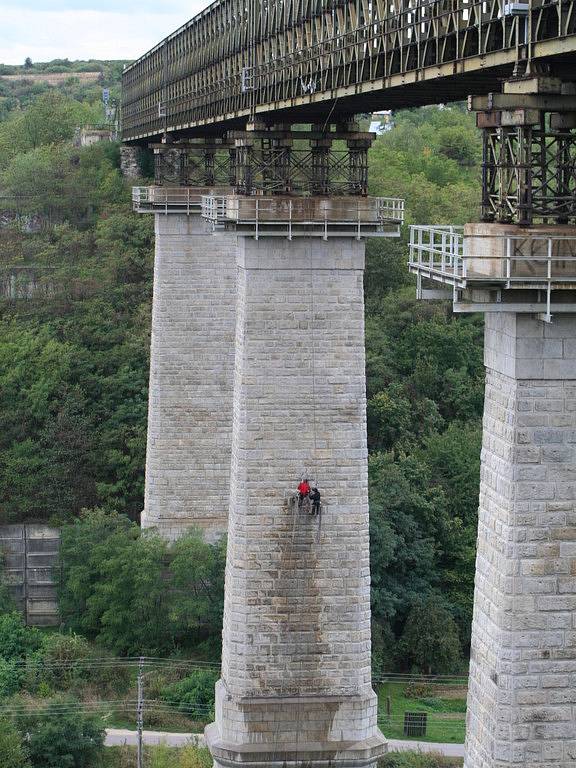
314	415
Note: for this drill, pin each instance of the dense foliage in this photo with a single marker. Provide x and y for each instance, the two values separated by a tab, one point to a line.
128	591
13	753
62	736
73	388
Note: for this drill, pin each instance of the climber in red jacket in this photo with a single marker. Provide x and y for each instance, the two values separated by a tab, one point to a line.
303	492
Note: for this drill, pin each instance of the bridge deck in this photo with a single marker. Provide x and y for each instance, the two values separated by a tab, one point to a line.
309	60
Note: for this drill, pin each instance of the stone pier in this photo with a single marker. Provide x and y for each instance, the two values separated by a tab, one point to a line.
191	378
522	700
296	672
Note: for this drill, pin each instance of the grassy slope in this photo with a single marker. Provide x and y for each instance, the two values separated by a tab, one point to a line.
446	713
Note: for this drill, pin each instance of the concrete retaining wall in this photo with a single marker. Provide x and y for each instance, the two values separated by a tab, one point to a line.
31	568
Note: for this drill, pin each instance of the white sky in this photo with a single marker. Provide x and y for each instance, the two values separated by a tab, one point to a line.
88	29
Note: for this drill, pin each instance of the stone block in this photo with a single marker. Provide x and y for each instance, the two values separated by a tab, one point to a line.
528	532
191	379
296	660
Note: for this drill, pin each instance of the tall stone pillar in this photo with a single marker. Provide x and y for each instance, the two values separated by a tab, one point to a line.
296	674
130	159
522	700
191	378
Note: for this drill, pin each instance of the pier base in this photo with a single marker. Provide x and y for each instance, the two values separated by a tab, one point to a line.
296	664
191	378
522	695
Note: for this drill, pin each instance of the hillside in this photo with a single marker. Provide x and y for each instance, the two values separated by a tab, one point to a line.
52	78
74	353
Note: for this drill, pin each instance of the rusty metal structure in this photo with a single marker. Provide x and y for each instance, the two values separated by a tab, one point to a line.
522	257
529	152
309	60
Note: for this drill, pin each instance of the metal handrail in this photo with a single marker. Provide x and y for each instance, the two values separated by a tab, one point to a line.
385	209
165	199
441	254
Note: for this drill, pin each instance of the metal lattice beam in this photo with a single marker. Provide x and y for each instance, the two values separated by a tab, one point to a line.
240	58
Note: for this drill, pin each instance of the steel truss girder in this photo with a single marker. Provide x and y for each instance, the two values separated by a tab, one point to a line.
240	55
266	162
185	167
529	174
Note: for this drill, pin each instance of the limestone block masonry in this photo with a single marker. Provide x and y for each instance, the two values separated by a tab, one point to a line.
191	379
296	674
130	158
522	699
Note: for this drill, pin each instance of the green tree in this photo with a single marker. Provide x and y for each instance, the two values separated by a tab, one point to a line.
194	695
197	570
132	601
407	522
133	594
13	754
85	548
114	590
454	460
395	420
17	640
62	736
49	120
430	639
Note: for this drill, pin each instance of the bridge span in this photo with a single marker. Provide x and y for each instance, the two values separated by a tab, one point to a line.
257	377
296	59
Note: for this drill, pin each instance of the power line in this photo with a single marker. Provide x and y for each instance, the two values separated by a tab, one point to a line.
119	661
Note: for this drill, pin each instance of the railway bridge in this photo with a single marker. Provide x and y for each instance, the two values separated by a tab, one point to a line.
257	367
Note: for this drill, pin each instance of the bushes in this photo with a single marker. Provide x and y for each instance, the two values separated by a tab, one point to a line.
66	663
194	695
159	757
17	640
62	736
43	663
13	754
416	690
12	676
133	594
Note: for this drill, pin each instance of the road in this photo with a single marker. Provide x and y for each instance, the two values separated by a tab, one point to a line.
116	738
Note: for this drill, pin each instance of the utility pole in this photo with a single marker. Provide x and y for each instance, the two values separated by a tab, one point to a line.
140	713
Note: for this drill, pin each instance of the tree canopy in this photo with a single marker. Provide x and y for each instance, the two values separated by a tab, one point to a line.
74	360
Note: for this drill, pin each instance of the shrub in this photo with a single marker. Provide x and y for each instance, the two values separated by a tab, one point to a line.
162	757
12	751
194	757
418	690
194	695
62	736
17	640
158	720
433	702
64	663
12	677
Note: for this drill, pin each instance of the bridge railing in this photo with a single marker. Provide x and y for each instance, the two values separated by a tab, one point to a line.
171	199
437	253
305	216
462	260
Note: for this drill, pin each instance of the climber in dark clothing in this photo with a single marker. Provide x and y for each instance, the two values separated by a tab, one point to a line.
315	499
